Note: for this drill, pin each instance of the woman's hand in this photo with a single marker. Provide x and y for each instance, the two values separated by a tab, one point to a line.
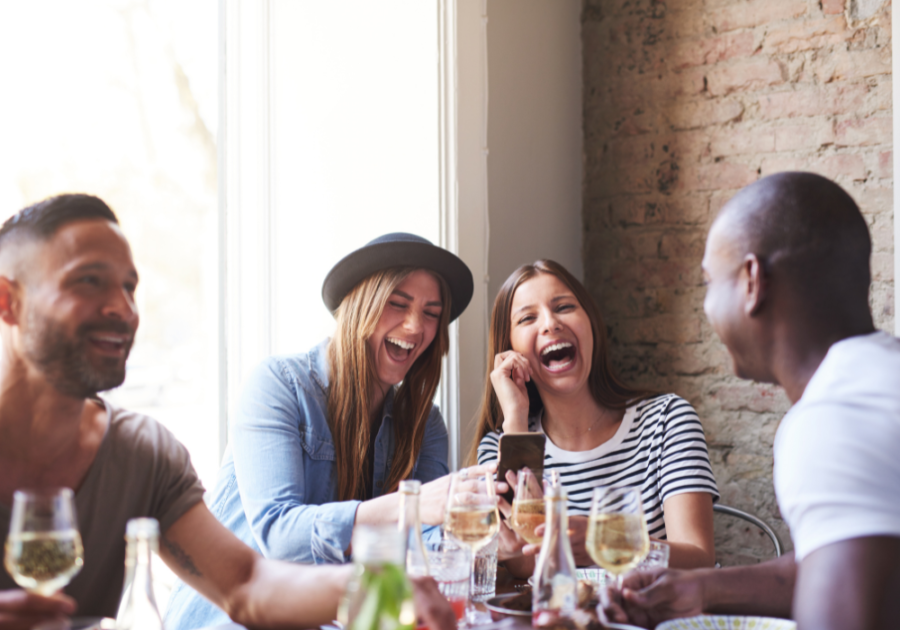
577	537
511	372
433	495
20	610
511	543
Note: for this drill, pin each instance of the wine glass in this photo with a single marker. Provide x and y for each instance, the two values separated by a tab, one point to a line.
617	537
43	550
471	518
528	506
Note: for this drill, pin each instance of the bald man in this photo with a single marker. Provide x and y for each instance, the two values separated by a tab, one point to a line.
787	273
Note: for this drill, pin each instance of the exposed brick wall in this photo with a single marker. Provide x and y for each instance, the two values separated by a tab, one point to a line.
686	101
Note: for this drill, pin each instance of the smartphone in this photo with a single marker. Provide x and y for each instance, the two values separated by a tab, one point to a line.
518	451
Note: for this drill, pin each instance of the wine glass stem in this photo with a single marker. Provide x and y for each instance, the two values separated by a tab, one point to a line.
619	579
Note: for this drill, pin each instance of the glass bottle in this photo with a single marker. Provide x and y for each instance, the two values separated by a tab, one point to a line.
555	595
138	610
379	596
410	527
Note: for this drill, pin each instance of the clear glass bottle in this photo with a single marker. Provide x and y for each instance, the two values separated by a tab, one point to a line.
410	526
555	594
379	597
138	610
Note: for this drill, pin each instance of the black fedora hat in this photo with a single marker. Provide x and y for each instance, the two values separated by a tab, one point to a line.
399	249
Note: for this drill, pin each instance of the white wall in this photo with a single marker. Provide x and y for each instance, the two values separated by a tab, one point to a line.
534	134
520	157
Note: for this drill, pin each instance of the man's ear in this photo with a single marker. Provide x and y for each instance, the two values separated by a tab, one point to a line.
757	284
9	301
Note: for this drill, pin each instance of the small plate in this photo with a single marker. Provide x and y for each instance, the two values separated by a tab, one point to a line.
497	607
727	622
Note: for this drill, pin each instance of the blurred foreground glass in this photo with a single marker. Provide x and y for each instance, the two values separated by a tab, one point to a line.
617	537
449	564
379	595
471	518
555	596
43	550
528	506
484	573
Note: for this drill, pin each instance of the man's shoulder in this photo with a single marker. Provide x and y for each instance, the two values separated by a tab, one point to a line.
136	434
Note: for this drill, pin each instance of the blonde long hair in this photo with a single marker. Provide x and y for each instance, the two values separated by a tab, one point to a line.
606	388
353	377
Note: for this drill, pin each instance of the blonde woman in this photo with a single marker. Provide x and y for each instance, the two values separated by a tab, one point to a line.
322	439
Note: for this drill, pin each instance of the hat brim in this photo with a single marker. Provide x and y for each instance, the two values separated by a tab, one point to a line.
359	265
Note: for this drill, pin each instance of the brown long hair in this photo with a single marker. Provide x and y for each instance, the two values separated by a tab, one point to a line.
605	386
352	377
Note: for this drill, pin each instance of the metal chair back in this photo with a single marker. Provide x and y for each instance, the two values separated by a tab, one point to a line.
755	520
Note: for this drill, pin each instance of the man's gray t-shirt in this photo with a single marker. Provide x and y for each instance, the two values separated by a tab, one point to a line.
141	469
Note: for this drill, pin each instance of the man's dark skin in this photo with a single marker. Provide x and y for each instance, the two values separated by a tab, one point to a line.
787	274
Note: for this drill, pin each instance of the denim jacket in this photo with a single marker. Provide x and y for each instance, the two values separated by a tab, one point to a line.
277	489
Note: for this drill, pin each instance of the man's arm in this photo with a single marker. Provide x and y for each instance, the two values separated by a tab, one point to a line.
648	598
252	590
850	584
262	593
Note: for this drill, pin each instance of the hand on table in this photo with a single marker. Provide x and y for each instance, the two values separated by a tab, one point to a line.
432	609
577	536
20	610
651	597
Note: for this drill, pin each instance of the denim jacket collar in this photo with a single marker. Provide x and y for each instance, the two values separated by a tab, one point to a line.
319	371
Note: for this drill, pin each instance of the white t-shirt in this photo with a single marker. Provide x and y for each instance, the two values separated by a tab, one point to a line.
837	451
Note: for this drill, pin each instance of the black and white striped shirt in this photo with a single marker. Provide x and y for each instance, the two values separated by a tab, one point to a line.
659	447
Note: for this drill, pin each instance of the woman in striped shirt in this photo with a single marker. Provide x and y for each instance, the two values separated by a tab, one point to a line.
552	374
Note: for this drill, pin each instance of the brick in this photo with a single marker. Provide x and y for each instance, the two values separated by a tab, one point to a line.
827	100
699	52
849	166
718	200
738	140
631	275
717	176
690	209
791	37
832	7
882	234
636	210
702	113
683	245
756	397
752	13
804	135
853	65
781	163
885	164
661	328
744	75
882	267
863	131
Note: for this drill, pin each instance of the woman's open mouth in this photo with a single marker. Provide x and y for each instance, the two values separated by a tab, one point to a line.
398	349
558	357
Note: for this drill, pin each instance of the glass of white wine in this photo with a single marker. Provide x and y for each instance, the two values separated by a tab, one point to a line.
617	537
528	506
43	550
471	518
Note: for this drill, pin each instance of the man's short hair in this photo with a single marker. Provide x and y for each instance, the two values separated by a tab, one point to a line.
812	229
40	221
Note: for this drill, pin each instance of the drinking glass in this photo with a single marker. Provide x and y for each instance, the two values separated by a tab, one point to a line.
528	506
449	564
617	537
43	550
471	518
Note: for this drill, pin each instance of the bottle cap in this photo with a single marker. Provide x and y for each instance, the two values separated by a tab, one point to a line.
412	486
142	527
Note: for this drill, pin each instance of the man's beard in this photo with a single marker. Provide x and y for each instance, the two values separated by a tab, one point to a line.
65	362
